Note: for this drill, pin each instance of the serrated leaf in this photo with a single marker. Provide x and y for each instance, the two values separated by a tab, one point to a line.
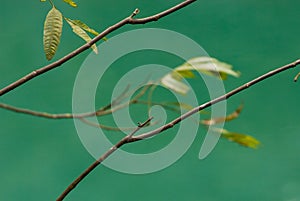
52	32
81	33
71	3
242	139
229	117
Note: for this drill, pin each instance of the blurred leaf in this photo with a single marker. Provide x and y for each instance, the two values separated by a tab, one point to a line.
180	105
229	117
242	139
81	33
52	32
42	0
206	65
71	3
209	66
174	83
186	74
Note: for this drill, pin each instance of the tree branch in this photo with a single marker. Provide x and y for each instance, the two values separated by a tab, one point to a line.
102	158
159	130
127	20
216	100
108	109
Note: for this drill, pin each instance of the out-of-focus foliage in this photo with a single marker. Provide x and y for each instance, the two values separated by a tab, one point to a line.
242	139
218	120
206	65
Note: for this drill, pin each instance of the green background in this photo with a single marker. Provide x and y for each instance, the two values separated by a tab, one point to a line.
40	157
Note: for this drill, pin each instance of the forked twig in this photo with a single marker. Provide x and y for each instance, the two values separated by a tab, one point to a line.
102	158
176	121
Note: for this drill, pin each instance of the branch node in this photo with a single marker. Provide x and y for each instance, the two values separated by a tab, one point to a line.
135	12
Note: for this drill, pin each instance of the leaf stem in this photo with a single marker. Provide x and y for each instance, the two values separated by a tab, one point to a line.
52	4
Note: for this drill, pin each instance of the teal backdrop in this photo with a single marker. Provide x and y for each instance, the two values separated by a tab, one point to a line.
40	157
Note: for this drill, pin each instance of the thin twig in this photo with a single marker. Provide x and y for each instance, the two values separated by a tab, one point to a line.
163	104
105	127
296	77
102	158
176	121
216	100
117	100
127	20
108	109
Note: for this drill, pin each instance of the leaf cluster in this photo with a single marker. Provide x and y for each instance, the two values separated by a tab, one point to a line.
53	29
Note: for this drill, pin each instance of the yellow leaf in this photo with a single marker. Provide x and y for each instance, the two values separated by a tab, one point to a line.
209	66
86	28
205	65
52	32
242	139
71	3
81	33
229	117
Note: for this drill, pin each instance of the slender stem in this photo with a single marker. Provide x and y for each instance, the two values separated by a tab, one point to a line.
127	20
172	123
296	77
51	2
216	100
102	158
108	109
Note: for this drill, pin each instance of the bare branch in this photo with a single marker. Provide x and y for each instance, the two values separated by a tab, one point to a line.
214	101
130	138
127	20
101	159
108	109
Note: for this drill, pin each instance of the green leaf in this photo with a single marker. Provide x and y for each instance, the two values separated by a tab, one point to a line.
180	105
71	3
229	117
209	66
52	32
42	0
81	33
205	65
242	139
86	27
174	82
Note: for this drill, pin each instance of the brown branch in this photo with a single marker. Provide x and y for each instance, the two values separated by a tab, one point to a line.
216	100
102	158
127	20
108	109
174	122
